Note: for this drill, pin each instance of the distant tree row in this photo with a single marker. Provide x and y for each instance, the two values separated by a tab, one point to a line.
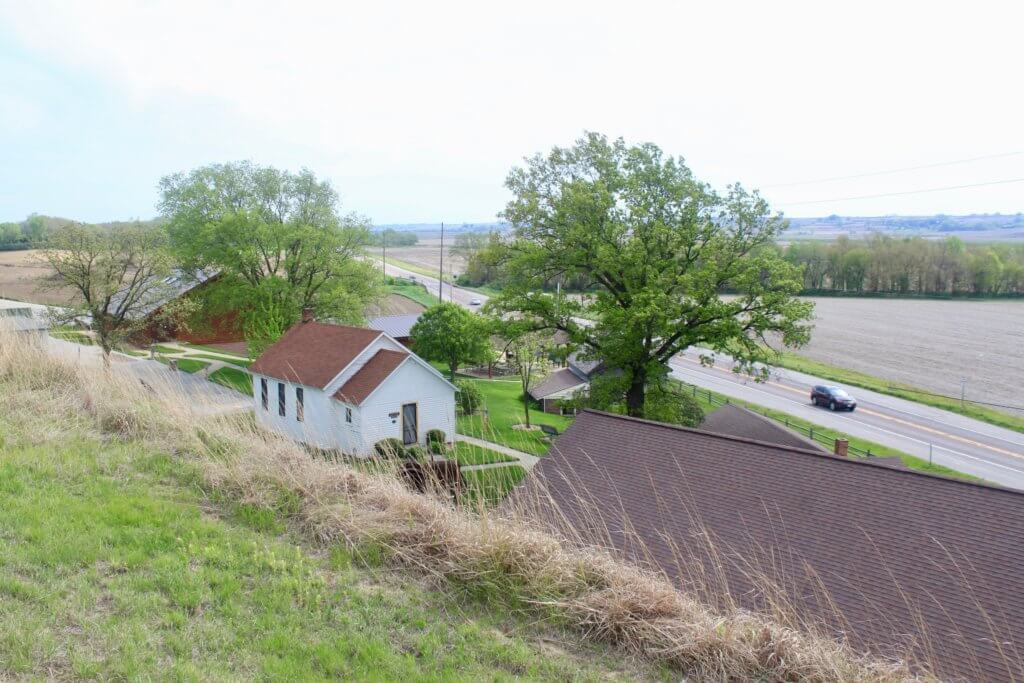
22	235
393	238
887	265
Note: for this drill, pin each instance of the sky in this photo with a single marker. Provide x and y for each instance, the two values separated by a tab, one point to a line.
417	111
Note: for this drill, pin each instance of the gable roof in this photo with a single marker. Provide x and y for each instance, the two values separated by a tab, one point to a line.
158	292
584	368
885	558
735	420
396	326
557	382
313	353
370	376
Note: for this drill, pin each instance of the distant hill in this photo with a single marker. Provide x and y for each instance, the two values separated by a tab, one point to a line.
973	227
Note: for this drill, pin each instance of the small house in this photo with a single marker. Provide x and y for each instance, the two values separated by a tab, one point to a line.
346	388
565	383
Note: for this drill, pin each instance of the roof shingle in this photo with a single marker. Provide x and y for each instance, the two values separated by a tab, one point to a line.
887	559
369	377
313	353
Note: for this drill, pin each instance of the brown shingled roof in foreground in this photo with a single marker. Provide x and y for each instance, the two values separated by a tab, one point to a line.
735	420
890	560
313	353
369	377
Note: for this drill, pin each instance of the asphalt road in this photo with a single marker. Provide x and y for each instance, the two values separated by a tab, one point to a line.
961	443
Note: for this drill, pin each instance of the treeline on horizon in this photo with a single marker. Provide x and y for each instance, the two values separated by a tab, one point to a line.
882	264
879	264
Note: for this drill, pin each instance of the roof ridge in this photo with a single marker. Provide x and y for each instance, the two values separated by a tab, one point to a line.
818	454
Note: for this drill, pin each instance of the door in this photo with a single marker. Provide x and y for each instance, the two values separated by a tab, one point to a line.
410	426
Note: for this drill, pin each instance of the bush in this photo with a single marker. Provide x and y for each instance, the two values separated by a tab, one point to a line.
437	441
417	453
390	448
470	397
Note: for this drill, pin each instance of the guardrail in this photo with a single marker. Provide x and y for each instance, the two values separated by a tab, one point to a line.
816	436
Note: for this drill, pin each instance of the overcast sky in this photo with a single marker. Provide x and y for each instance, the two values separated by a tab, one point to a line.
416	111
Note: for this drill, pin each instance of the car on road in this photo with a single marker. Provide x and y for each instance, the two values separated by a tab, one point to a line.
834	398
475	301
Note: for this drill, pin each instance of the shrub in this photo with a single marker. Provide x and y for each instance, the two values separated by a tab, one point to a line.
436	441
470	397
417	453
390	448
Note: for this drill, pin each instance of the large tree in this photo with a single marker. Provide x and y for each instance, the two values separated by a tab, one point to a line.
450	334
119	277
276	238
656	249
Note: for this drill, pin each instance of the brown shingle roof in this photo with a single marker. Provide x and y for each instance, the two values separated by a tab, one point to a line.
885	558
313	353
369	377
735	420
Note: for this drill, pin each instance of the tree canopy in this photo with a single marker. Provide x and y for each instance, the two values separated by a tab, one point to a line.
656	248
450	334
276	238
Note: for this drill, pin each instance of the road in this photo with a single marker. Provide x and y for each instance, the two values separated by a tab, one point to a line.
451	293
961	443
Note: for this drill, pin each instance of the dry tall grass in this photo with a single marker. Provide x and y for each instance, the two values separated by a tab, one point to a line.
604	599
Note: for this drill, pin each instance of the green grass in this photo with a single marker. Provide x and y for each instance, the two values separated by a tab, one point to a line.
831	435
213	349
471	454
73	336
184	364
504	403
116	566
415	268
233	360
490	486
160	348
233	378
414	292
859	379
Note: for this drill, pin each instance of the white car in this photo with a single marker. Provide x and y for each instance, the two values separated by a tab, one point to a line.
475	302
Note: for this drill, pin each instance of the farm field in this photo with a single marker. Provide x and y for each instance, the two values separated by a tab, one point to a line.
929	344
20	276
427	254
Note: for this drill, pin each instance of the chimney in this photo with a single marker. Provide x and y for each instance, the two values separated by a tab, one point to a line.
842	447
307	314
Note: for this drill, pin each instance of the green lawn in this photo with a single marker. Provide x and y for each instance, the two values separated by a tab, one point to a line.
213	349
860	379
160	348
75	336
471	454
233	360
492	485
185	364
504	404
116	567
831	434
413	291
233	378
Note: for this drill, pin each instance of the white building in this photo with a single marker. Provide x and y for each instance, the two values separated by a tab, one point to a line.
346	388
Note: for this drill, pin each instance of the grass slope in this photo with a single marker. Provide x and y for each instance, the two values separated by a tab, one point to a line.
491	485
233	378
504	404
116	567
792	361
414	292
471	454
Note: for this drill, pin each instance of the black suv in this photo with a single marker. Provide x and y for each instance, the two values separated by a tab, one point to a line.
833	397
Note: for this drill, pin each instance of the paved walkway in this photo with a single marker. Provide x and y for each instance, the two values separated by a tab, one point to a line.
525	459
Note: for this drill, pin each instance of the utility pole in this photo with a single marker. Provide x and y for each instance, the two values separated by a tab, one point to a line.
963	390
440	270
384	256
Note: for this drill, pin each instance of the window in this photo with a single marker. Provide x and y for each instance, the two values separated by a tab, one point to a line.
280	399
300	406
264	392
348	414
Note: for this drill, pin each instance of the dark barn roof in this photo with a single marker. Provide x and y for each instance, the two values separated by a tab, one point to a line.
889	559
557	381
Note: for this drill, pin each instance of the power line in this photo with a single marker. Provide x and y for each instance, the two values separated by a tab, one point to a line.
898	194
893	170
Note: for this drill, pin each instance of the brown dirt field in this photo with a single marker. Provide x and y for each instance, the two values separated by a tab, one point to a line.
20	276
930	344
427	254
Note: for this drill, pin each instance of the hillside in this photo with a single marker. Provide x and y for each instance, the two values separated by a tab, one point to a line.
146	538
